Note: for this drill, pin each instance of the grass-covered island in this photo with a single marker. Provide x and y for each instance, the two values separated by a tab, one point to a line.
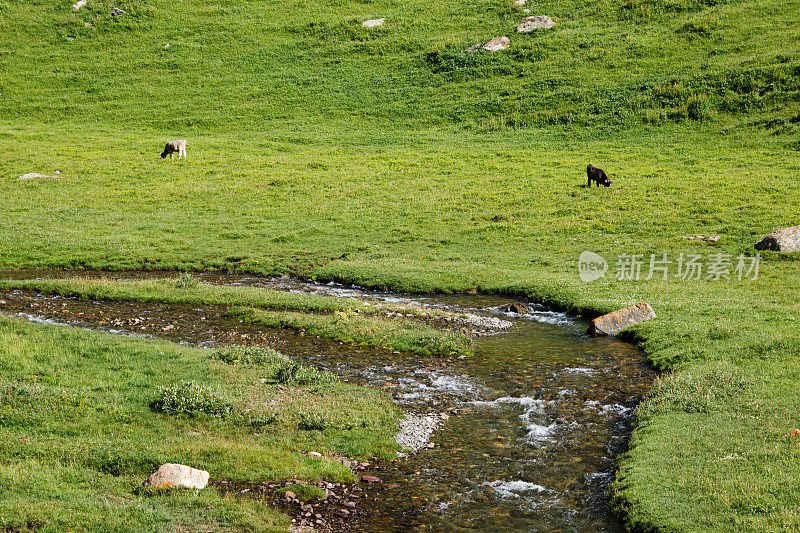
394	158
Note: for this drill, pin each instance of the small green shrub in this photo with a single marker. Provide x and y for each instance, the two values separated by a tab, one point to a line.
259	420
698	107
304	375
186	281
305	492
192	399
734	102
699	28
314	421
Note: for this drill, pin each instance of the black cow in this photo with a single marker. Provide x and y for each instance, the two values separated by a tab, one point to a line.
596	175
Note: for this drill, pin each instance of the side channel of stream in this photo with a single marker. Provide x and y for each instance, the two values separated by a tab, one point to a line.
537	416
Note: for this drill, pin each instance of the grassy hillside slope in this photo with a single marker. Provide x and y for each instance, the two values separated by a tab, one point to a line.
393	158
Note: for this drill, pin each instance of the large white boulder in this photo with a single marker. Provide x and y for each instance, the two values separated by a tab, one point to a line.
172	475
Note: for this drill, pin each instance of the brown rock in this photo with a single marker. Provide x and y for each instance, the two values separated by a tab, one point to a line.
781	240
519	308
613	323
371	479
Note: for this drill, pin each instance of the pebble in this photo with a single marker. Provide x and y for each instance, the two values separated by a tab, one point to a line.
489	322
416	430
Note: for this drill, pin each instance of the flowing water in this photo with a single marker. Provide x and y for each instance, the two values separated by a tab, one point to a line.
538	415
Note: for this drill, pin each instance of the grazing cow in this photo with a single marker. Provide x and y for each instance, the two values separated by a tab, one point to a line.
596	175
174	146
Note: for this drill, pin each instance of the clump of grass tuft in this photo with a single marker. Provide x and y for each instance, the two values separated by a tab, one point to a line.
192	399
304	492
304	375
698	107
314	422
275	365
257	420
186	281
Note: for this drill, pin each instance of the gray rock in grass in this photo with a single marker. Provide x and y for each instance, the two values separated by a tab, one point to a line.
373	23
781	240
537	22
34	175
496	44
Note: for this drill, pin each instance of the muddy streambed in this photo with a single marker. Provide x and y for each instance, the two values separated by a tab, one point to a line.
537	416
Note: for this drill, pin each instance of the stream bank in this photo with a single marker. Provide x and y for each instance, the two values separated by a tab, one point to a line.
536	417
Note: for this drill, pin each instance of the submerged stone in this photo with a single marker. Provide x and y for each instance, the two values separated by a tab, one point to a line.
614	322
518	308
781	240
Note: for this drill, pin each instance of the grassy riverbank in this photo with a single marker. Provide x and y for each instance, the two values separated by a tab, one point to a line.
86	417
394	159
379	325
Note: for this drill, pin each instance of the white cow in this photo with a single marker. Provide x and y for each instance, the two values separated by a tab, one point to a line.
174	146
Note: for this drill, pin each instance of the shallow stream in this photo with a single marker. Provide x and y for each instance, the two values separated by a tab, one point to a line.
537	416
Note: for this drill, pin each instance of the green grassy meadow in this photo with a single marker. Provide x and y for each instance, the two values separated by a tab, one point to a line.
394	159
85	418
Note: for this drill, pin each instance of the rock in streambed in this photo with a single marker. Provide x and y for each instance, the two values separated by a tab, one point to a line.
416	430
